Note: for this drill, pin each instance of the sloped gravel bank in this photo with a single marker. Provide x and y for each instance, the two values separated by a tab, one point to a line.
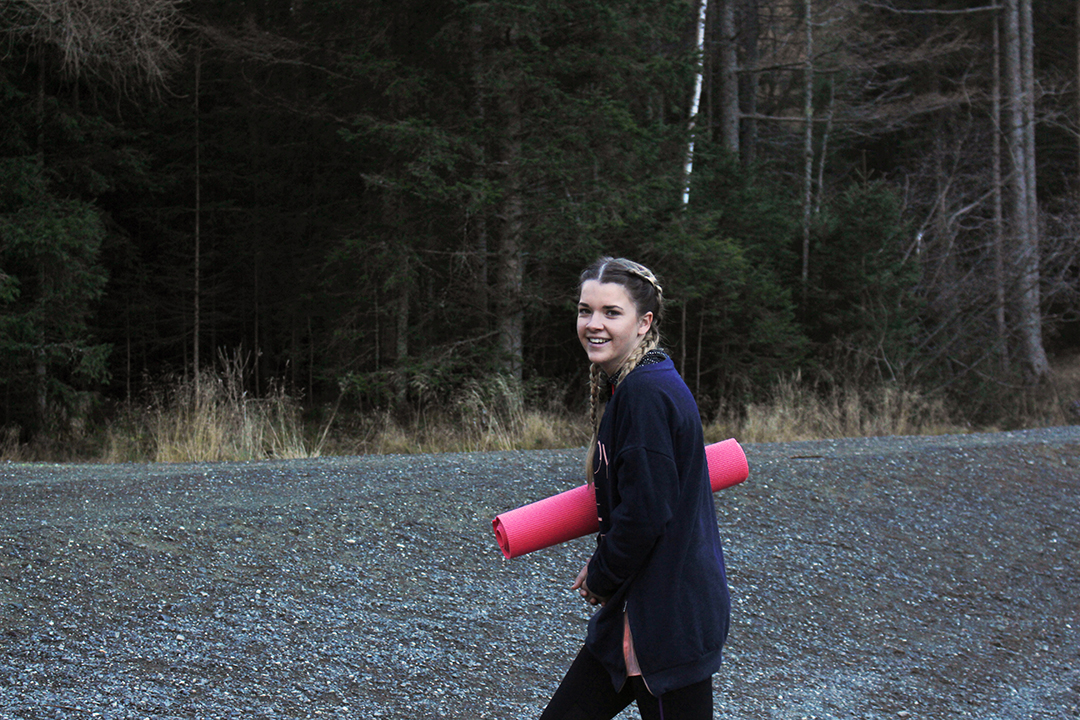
877	578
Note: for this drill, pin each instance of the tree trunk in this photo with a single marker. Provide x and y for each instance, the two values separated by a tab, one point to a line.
1039	365
197	321
256	331
479	220
685	340
509	269
748	81
700	345
819	197
999	219
39	109
808	146
1029	312
729	79
41	370
401	334
688	166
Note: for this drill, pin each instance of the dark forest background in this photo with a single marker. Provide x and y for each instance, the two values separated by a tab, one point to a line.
370	205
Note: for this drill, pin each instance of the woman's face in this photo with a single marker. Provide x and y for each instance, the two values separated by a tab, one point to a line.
608	324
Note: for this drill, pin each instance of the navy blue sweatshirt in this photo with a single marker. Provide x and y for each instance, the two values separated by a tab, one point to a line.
658	554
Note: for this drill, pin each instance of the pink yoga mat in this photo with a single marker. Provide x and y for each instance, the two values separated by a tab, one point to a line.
572	514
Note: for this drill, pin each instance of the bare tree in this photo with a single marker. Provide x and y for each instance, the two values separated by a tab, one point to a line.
119	41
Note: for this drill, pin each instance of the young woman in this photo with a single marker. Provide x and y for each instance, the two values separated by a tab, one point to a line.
657	574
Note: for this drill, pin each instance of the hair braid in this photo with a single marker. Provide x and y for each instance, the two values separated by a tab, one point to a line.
594	394
594	420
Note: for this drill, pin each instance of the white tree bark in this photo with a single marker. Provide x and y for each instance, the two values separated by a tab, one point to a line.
688	166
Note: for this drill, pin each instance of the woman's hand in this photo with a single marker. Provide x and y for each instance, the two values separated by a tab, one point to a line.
583	589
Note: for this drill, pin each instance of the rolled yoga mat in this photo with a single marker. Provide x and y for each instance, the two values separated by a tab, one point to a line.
572	514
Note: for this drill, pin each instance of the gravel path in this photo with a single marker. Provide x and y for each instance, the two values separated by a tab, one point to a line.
878	578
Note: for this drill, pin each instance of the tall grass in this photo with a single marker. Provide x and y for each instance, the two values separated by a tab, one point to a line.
211	420
800	411
217	420
484	415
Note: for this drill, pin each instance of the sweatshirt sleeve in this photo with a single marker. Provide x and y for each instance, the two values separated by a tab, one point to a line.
648	487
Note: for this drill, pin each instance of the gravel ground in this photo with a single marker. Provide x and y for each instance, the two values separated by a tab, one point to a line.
877	578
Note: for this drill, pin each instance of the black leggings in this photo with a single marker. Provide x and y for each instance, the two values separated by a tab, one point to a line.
586	693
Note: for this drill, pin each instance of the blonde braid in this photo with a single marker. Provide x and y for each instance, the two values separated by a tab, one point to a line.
594	421
645	274
650	341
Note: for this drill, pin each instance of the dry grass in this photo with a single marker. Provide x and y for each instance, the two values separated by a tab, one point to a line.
212	420
10	448
218	421
1065	385
483	416
798	411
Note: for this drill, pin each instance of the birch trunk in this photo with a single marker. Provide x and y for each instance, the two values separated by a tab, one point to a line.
688	166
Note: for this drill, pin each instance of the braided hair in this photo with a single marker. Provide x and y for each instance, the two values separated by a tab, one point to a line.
644	290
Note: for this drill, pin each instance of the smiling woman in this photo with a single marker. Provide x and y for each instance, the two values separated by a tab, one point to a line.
657	573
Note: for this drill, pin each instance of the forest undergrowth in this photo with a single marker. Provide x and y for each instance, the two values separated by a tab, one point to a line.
217	420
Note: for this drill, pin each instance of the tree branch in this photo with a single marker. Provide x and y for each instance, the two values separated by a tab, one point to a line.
965	11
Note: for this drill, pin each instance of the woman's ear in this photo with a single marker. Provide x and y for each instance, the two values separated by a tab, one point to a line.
644	323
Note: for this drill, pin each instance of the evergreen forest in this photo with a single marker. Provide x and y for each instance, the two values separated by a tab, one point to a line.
380	209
